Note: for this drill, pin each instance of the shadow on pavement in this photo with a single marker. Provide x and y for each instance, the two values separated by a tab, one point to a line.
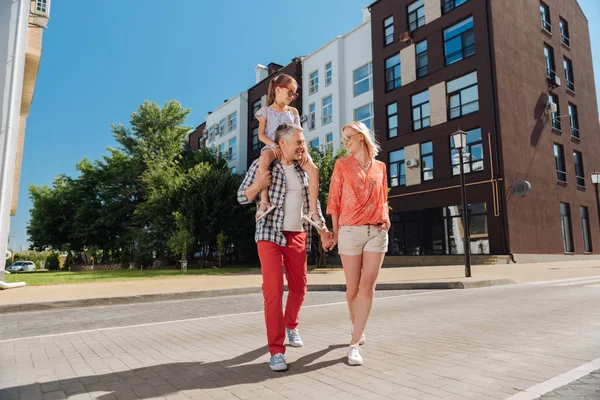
168	379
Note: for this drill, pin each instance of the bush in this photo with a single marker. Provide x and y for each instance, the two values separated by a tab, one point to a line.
53	262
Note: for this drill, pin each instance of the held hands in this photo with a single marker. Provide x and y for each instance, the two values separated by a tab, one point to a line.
303	160
328	240
278	153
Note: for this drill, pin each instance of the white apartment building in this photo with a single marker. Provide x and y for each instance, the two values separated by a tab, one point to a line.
226	130
337	85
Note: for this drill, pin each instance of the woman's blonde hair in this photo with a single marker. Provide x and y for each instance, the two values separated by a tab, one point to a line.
370	141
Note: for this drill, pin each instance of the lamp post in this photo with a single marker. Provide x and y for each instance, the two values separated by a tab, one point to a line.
596	181
460	143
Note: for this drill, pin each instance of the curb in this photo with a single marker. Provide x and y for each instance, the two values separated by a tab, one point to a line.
149	298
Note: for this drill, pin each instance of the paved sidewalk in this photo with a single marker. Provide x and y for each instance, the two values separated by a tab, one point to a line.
251	281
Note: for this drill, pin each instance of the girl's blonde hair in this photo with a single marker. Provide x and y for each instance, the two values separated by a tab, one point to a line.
373	147
279	80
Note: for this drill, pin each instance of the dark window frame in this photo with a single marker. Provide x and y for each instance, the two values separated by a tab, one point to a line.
396	81
579	168
546	22
399	165
559	161
418	22
550	62
419	57
464	48
389	116
469	150
564	32
422	119
585	229
388	38
567	229
449	5
556	122
569	78
574	120
422	161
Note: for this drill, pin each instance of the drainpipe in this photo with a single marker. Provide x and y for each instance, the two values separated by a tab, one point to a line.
496	138
9	145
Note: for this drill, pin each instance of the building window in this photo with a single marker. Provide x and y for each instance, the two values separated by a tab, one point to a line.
222	126
233	121
200	143
463	96
254	140
459	41
564	32
472	158
329	138
314	143
397	172
41	6
392	120
421	50
426	161
416	15
556	123
328	74
420	110
314	82
234	170
568	65
574	120
438	231
585	229
559	158
327	111
579	172
545	12
232	149
549	56
363	79
221	150
392	73
388	30
255	107
449	5
364	114
312	116
565	219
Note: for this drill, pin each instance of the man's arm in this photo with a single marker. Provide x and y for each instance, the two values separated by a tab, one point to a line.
252	184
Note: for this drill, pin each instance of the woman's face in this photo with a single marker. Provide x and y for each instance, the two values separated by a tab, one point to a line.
352	140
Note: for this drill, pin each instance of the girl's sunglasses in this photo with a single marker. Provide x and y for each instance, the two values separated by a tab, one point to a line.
291	93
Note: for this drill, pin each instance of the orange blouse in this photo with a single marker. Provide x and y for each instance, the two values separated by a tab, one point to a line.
358	198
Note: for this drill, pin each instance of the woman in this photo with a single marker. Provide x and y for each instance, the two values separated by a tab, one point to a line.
359	211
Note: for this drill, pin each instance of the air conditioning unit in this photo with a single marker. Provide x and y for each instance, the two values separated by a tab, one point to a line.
303	119
551	108
556	80
310	124
405	37
412	163
553	80
521	188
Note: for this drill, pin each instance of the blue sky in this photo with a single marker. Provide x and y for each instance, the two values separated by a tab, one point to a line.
100	63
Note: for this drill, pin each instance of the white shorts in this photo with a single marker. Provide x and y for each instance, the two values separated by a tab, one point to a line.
353	240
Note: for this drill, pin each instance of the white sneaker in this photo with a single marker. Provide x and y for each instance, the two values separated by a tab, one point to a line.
354	357
278	362
362	339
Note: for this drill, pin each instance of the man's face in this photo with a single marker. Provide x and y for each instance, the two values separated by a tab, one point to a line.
294	146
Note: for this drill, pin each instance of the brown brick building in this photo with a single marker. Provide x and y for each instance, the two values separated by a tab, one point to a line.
489	68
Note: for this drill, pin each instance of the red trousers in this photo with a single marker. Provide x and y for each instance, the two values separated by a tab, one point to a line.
273	259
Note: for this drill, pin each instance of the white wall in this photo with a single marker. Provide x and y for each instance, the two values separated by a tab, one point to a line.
239	105
13	34
346	53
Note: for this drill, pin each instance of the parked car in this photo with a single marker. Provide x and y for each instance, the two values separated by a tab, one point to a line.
21	266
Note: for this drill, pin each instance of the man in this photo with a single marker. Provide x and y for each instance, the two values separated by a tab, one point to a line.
282	238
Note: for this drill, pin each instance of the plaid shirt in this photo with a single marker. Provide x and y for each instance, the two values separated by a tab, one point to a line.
270	227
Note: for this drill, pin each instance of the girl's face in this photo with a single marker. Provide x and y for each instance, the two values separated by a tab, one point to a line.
286	94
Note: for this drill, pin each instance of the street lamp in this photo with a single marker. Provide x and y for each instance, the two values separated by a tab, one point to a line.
460	143
596	181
